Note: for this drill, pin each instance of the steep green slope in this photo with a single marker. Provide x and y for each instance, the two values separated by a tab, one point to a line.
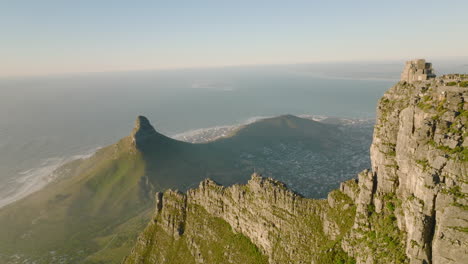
104	192
103	200
96	208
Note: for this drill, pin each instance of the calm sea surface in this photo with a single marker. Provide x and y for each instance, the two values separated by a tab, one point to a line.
46	120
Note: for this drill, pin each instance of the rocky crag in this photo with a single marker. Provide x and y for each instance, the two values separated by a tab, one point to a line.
410	207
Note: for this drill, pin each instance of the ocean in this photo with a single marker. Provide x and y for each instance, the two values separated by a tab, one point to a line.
46	121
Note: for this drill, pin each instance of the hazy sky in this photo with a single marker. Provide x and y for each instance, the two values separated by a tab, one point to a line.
48	37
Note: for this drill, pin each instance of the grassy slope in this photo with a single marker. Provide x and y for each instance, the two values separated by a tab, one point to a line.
67	215
105	200
101	204
211	237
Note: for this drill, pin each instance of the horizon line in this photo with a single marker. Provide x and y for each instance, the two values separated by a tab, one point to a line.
175	68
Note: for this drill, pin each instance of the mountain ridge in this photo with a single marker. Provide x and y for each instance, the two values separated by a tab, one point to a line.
97	206
410	208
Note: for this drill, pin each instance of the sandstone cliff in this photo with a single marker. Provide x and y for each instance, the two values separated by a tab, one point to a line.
411	207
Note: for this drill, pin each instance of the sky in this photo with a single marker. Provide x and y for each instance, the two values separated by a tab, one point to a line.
54	37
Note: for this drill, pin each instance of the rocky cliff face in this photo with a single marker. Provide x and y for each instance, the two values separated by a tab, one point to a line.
419	156
411	207
276	224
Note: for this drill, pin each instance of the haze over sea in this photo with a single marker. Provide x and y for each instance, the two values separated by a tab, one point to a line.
45	121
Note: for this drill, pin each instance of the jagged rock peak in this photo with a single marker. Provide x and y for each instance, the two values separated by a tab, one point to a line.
143	124
264	183
142	129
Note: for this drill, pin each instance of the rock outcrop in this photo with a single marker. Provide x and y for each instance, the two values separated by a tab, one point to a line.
410	207
144	136
420	159
277	223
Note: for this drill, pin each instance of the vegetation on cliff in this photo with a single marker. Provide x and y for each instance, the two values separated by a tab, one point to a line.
261	222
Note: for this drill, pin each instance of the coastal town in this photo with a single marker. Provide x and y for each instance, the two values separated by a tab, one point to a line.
295	163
